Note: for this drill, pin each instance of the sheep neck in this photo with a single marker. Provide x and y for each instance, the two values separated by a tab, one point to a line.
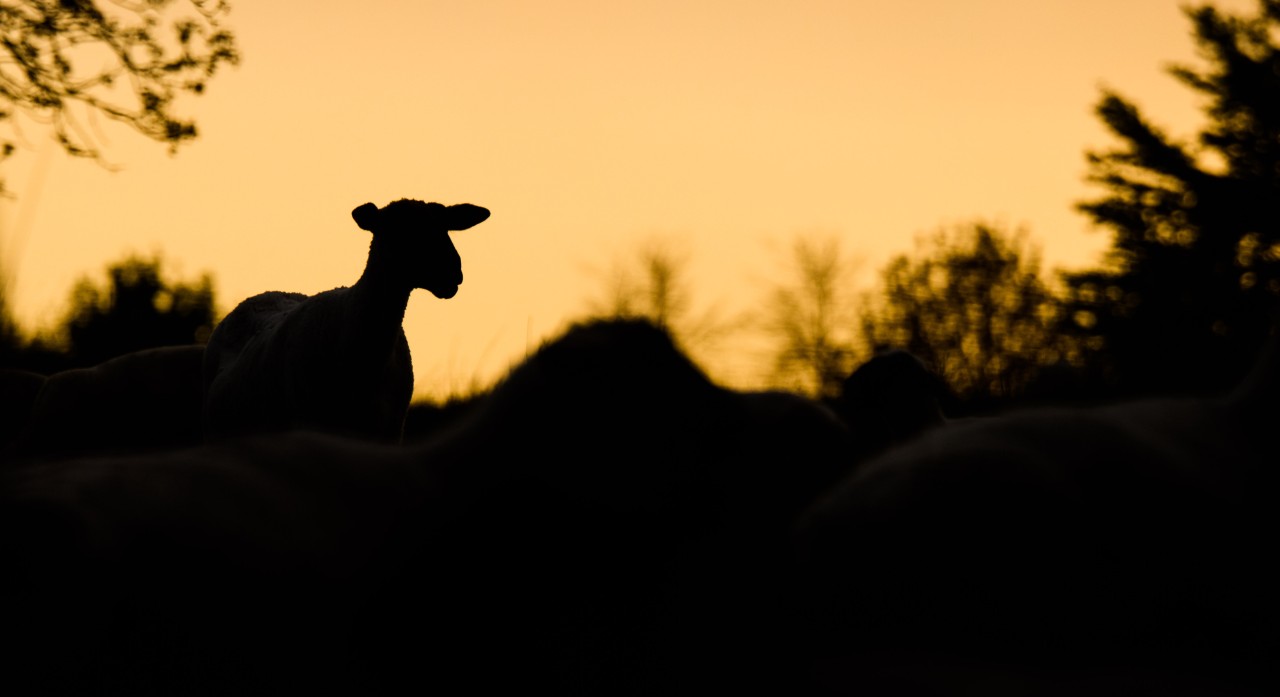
379	307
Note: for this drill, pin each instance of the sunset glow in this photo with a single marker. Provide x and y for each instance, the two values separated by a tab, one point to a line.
589	127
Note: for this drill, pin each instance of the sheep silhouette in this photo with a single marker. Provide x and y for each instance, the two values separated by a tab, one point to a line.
143	400
18	391
605	521
1097	544
337	361
890	399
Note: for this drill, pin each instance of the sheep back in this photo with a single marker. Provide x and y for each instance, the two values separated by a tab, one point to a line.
1123	535
283	361
144	400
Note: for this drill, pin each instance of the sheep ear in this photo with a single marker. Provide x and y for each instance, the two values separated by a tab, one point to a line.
464	215
365	215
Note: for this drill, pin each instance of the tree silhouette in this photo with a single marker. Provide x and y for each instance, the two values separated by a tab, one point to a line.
1194	268
971	304
67	61
137	309
812	319
653	283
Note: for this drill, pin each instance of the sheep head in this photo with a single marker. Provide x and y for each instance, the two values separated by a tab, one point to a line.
412	244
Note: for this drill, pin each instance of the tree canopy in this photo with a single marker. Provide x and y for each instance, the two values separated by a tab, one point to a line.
812	319
66	62
1194	269
971	304
138	308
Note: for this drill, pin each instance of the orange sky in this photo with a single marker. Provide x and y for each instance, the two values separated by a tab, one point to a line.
587	127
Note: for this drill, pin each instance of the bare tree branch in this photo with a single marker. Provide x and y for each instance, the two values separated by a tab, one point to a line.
63	61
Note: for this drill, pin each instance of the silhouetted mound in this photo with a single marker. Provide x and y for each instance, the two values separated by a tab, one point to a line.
644	510
427	419
1098	545
606	521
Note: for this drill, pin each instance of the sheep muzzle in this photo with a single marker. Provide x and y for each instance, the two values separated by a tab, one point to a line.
444	292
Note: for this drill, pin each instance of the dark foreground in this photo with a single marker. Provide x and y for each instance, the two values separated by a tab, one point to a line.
609	522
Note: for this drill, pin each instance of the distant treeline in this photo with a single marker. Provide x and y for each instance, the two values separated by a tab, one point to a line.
1180	304
138	307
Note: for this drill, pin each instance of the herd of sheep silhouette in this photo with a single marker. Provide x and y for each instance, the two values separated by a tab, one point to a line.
246	517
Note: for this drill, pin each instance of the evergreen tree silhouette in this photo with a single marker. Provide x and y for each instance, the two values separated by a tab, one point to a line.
1185	297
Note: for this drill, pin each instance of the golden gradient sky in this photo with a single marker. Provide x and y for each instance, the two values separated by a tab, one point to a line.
587	127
